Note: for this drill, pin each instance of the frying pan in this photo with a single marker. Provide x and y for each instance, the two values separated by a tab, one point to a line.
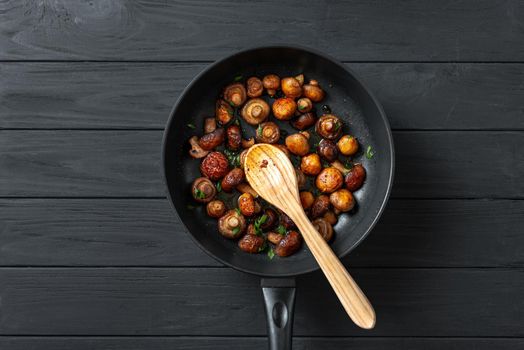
348	98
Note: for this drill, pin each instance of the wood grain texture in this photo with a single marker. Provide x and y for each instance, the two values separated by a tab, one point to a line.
141	95
127	232
200	30
255	343
127	163
409	302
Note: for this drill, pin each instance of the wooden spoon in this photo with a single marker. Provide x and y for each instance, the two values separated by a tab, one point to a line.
270	172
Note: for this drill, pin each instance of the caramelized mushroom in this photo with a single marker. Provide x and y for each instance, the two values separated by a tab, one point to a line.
234	137
324	228
286	221
289	244
329	126
348	145
214	166
284	108
210	125
268	132
271	83
248	205
355	177
304	105
251	243
274	237
216	208
330	217
342	200
196	151
304	121
255	111
291	87
232	179
310	164
254	87
248	143
212	140
297	144
327	150
232	224
301	179
320	206
223	112
203	190
313	91
306	199
271	219
235	94
329	180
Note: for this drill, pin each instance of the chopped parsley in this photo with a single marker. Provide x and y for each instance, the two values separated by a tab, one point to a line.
281	230
236	231
191	126
239	77
238	211
233	158
301	107
259	130
219	186
199	194
258	222
270	254
369	152
338	125
190	207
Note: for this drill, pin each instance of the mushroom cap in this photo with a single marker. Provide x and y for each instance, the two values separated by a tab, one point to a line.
255	111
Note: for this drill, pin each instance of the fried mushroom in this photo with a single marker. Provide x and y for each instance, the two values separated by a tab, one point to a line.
304	121
271	83
329	180
313	91
223	112
232	179
203	190
284	108
289	244
214	166
255	111
251	243
327	149
268	132
235	94
329	126
196	151
215	208
291	87
297	144
234	137
355	177
324	228
232	224
342	200
310	164
255	88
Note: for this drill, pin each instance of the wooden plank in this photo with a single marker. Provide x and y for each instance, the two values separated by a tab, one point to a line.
140	95
255	343
203	30
409	302
127	163
126	232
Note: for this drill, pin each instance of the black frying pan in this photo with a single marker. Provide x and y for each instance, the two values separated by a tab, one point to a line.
348	98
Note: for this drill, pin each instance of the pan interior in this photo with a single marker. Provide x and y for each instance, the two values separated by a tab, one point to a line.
347	99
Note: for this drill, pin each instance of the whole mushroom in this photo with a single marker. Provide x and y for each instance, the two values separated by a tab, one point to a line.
215	208
255	88
234	137
232	180
268	132
255	111
324	228
223	112
342	200
291	87
212	140
297	144
348	145
304	105
284	108
232	224
203	190
320	206
196	151
214	166
247	205
235	94
304	121
289	244
329	180
327	149
329	126
251	243
310	164
313	91
355	177
271	83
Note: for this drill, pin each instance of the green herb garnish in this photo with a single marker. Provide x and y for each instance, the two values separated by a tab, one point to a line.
231	103
238	211
239	77
281	230
338	125
236	231
219	186
258	222
233	158
270	254
369	152
301	108
199	194
191	126
259	130
190	207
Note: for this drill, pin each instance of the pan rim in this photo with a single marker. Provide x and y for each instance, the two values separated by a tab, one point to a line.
334	61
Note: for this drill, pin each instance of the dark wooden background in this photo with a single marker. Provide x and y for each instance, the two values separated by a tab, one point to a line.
91	256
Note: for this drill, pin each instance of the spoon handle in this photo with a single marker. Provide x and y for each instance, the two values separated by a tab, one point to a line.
348	292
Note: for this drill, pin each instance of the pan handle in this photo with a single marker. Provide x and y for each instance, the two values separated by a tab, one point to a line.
279	300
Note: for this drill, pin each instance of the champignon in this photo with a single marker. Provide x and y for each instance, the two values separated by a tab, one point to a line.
223	112
196	151
329	180
327	149
214	166
313	91
304	105
289	244
247	205
215	208
291	87
304	121
210	125
255	111
320	206
234	137
251	243
255	88
268	132
329	126
310	164
342	200
348	145
297	144
284	108
355	177
306	199
212	140
235	94
232	179
271	83
232	224
203	190
324	228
